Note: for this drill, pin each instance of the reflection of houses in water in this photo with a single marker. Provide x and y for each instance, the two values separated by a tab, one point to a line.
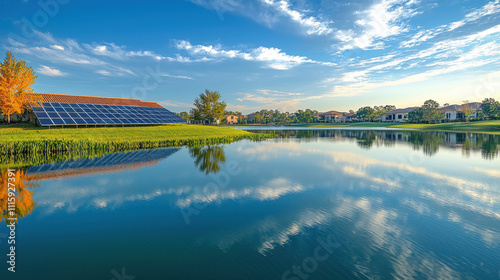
429	141
105	164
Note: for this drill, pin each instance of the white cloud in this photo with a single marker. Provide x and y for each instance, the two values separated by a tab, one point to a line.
380	21
175	76
447	56
260	12
104	73
57	47
181	59
273	58
490	8
169	103
47	71
311	24
119	52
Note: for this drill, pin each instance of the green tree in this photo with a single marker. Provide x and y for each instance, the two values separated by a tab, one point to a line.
16	79
184	115
467	109
431	112
210	106
490	108
365	113
378	111
416	115
195	115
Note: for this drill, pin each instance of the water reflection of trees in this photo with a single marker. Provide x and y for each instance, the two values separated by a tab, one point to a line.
208	159
24	203
428	142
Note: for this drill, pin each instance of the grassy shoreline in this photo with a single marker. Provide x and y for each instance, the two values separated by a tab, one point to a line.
27	145
491	127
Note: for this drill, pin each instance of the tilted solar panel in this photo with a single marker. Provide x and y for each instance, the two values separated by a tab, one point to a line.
50	114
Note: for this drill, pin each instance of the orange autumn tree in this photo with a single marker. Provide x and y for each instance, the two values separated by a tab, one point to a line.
24	204
16	79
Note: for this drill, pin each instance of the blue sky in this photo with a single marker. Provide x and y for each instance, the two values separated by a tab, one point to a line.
273	54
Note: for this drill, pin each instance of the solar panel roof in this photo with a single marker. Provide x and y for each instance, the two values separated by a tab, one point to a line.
52	113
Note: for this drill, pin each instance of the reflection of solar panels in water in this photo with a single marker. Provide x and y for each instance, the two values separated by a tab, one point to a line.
108	161
51	113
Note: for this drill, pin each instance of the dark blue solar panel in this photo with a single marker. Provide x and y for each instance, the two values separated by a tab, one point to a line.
79	121
79	114
69	121
42	115
45	122
57	121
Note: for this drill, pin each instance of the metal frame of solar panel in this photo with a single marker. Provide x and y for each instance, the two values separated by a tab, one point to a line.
53	113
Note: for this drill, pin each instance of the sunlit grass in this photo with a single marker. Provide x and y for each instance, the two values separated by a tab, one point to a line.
40	143
492	127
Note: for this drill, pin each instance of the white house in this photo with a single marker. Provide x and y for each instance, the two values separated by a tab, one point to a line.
455	112
398	115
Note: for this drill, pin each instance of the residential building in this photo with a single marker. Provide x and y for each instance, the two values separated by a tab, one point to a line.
351	118
455	112
231	119
398	115
250	118
332	116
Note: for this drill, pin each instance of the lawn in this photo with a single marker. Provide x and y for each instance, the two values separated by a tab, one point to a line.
28	144
177	132
492	127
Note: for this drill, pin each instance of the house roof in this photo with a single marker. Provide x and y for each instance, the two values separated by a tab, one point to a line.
473	105
332	113
82	99
400	111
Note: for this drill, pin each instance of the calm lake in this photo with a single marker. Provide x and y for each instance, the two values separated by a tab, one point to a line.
309	204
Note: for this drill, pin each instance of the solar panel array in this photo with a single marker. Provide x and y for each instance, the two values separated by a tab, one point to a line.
51	113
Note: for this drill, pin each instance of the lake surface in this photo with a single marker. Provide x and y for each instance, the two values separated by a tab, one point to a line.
310	204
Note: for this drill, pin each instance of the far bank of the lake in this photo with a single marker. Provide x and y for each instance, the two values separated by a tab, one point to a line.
492	127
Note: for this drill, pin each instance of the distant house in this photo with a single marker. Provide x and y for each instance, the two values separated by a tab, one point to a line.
231	119
398	115
332	116
351	118
250	117
455	112
316	117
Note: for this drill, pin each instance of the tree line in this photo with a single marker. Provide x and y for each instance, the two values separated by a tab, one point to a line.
209	107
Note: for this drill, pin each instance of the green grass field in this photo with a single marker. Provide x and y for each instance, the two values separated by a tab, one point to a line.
31	145
492	127
176	132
